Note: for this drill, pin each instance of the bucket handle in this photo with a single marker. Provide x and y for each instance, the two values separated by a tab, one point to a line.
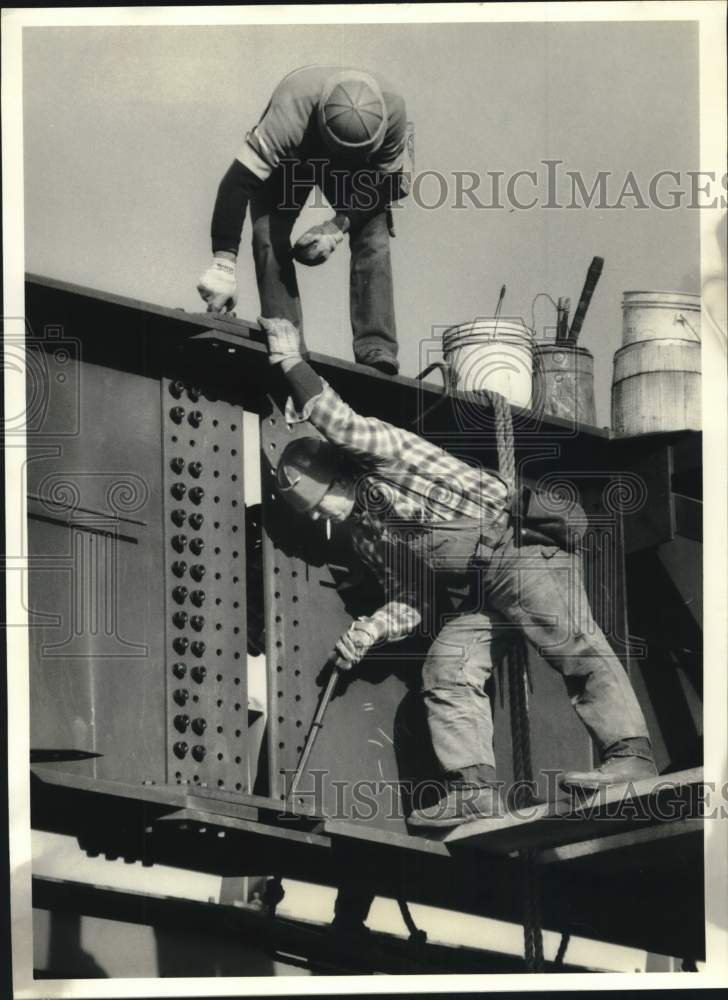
683	321
447	380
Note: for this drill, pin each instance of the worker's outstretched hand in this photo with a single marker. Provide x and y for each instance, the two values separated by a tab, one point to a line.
284	339
318	243
217	285
354	644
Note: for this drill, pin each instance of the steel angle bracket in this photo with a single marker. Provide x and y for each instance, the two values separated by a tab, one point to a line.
204	579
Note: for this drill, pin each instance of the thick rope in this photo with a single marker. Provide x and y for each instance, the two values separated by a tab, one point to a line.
519	681
504	438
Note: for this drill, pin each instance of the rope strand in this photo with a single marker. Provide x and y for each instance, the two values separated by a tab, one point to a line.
519	683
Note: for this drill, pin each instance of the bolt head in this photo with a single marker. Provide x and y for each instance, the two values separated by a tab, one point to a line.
179	542
181	722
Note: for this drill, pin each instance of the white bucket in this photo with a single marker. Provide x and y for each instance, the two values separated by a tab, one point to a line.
656	383
660	316
491	354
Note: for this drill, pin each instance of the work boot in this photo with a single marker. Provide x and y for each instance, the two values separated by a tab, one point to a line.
459	805
384	362
614	771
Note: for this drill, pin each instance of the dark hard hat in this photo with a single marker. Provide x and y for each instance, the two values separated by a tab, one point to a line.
306	470
352	113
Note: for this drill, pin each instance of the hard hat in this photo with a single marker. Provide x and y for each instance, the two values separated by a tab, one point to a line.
306	470
352	113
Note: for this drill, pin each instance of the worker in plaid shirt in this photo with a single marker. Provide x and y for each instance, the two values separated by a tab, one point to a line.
437	533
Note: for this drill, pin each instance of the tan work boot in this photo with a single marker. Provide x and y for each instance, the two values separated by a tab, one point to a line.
460	805
614	771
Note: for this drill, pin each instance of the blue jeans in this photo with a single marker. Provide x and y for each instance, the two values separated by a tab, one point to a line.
274	210
541	590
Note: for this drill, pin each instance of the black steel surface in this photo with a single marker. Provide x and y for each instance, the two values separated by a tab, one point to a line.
94	545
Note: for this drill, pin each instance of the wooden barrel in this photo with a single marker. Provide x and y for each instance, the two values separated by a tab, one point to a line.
563	382
656	386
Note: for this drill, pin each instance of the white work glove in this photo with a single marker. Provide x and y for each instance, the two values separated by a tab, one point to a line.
284	339
218	287
355	643
318	243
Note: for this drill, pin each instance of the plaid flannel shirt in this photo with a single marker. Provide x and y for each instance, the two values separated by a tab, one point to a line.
404	479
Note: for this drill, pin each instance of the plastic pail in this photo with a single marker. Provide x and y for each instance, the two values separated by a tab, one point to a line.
491	354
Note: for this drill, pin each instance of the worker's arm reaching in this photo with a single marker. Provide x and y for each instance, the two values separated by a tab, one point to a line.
397	618
365	438
217	285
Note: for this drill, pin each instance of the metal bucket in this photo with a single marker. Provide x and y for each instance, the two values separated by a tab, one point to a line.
660	316
656	386
491	354
563	382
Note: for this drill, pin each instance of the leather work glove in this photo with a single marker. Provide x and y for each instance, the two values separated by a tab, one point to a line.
355	643
284	339
217	286
318	243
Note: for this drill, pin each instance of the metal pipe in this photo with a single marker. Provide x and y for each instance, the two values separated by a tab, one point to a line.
316	725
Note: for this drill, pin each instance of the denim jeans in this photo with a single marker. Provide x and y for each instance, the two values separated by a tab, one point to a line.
541	590
274	210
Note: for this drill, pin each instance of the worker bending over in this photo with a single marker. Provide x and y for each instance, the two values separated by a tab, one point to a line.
344	131
425	522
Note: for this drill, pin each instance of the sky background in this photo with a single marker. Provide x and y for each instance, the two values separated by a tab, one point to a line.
127	132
